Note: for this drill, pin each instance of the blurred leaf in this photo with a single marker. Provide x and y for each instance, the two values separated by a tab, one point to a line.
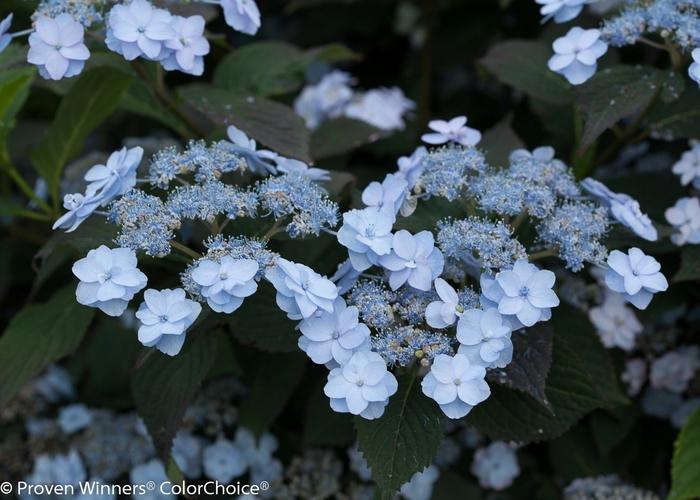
140	100
428	214
685	473
690	264
39	335
91	99
574	455
322	425
522	64
451	485
14	90
275	380
532	357
273	124
611	426
677	120
90	234
341	135
404	440
164	386
498	143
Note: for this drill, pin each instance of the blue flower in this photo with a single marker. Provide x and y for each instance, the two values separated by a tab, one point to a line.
362	386
367	235
73	418
242	15
223	461
138	29
260	162
109	279
324	100
455	130
165	316
79	207
443	313
484	338
5	37
301	292
635	275
414	259
116	177
411	167
456	384
693	69
623	207
382	108
57	48
391	193
576	54
561	10
226	283
334	336
345	276
188	46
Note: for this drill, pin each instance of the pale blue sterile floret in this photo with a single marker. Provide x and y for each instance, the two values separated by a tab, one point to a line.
334	337
444	312
561	11
223	461
404	344
383	108
684	216
56	47
5	36
109	279
693	69
367	235
295	195
165	316
345	277
456	384
257	453
79	207
117	176
188	46
74	418
290	165
226	283
301	292
496	466
325	99
411	167
623	207
454	130
484	338
635	275
576	54
138	29
688	167
413	259
260	161
374	302
445	171
362	386
391	192
242	15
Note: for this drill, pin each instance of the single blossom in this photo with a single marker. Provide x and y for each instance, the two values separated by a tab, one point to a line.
675	369
165	316
116	177
5	36
688	167
456	384
56	47
635	375
624	208
242	15
223	461
362	386
391	192
324	100
79	207
367	235
188	46
444	312
226	283
414	259
260	161
694	68
139	29
289	165
495	466
301	292
382	108
484	338
684	216
561	10
635	275
411	167
334	336
576	54
455	130
616	323
109	279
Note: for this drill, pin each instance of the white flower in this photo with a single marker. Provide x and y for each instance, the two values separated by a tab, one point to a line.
362	386
675	369
685	217
420	486
223	461
575	54
694	69
226	283
382	108
688	167
635	375
73	418
391	192
139	29
443	313
456	384
635	275
367	235
455	130
242	15
327	99
411	167
616	323
561	10
623	207
165	316
150	471
496	466
414	260
484	338
57	48
290	165
188	46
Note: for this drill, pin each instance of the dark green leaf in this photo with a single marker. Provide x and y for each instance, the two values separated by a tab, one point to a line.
164	386
685	473
90	234
342	135
575	455
14	90
428	214
38	336
690	264
679	119
404	440
499	141
273	124
92	98
322	425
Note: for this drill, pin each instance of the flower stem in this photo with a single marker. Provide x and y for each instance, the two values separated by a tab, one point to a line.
185	249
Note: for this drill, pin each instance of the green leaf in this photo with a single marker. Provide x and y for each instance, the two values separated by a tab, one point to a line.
404	440
276	378
90	234
498	142
164	386
91	99
271	123
428	213
341	135
39	335
616	93
14	90
677	120
522	64
140	100
690	264
685	473
322	425
261	323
